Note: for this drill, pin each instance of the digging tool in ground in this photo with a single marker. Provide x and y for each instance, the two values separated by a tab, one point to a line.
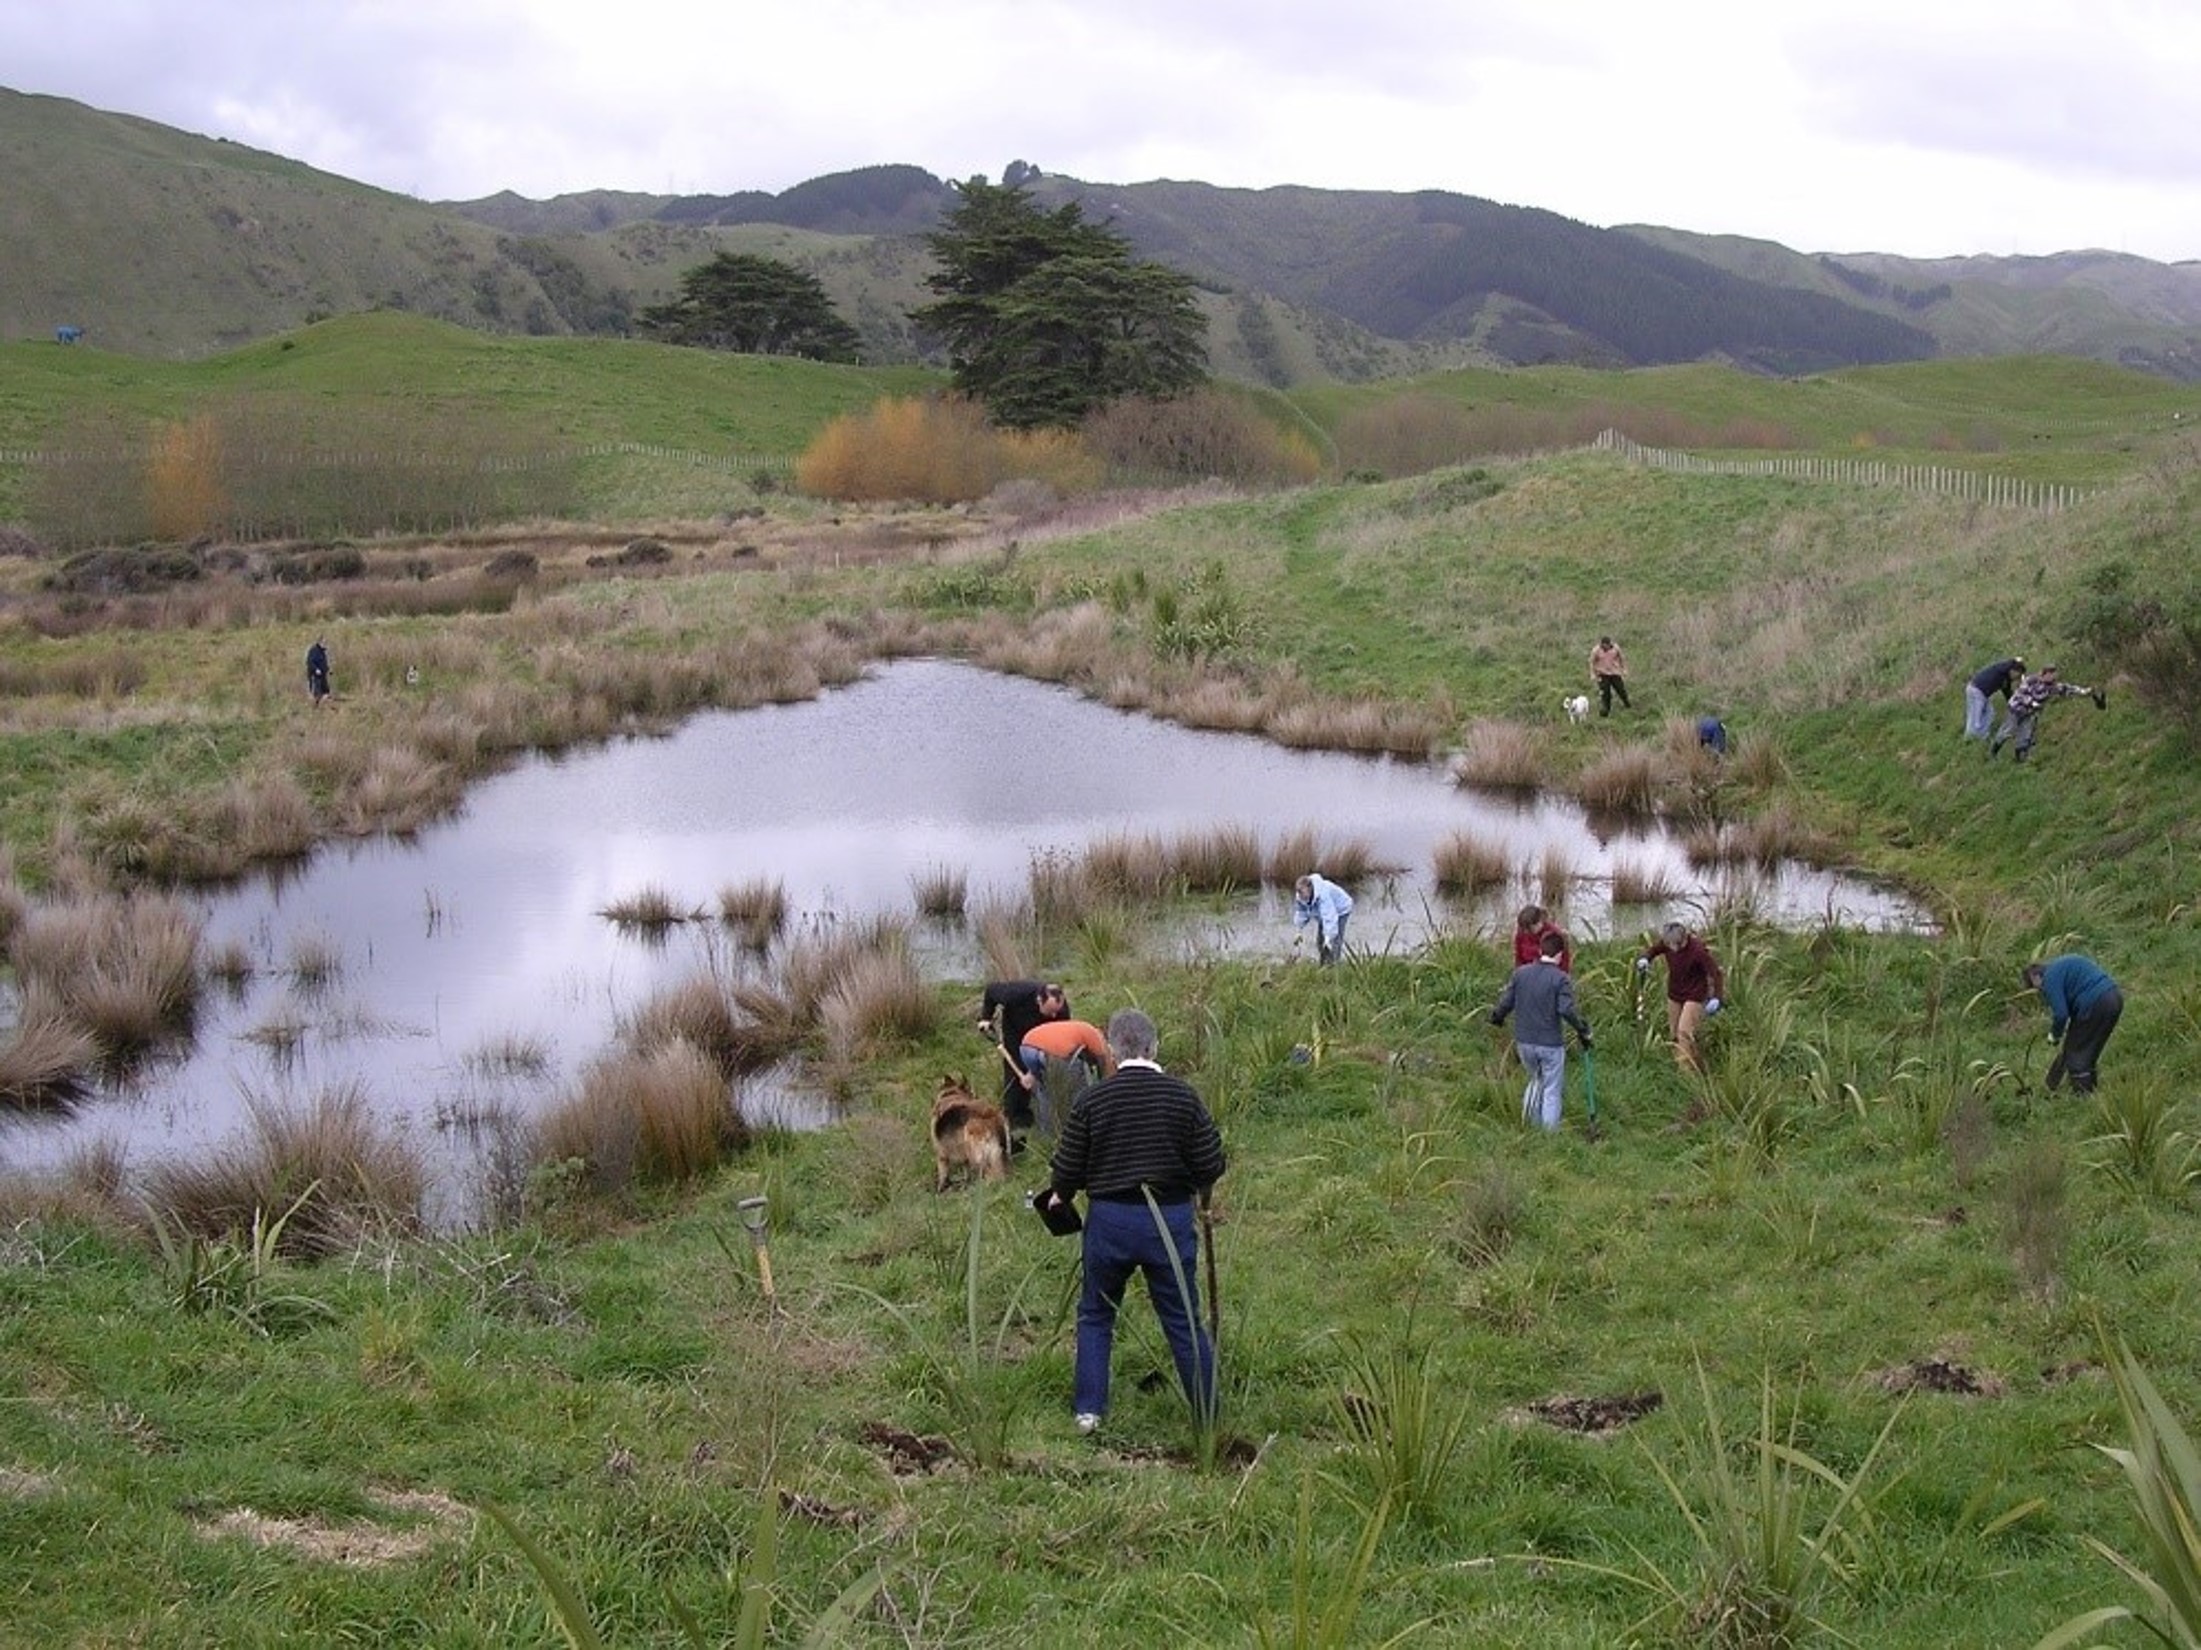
1594	1130
756	1215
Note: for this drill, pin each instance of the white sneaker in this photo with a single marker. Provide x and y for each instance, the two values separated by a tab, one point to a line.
1088	1423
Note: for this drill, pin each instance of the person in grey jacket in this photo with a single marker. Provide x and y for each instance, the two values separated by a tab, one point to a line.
1542	994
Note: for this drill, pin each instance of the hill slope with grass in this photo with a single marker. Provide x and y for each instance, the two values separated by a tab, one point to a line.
163	243
1813	1345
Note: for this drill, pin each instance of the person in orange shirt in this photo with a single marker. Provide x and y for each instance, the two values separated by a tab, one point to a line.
1060	1058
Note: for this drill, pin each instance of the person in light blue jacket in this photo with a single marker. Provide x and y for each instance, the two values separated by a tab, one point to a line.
1318	900
2083	1007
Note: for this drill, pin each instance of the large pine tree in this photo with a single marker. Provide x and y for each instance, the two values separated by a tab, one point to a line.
753	305
1047	316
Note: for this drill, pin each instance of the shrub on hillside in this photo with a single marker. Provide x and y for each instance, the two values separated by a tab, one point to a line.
14	541
1194	437
122	571
935	452
2153	635
326	564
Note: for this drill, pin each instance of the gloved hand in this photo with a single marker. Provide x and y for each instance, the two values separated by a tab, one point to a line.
1585	1042
2053	1039
1712	1006
1496	1018
985	1028
1643	965
2101	699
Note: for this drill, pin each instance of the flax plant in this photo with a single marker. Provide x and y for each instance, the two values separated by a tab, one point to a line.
1403	1422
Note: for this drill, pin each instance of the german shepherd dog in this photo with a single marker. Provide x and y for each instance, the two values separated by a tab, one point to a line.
967	1133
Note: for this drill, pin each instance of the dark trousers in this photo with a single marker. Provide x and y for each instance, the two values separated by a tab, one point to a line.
2082	1043
1607	686
1122	1239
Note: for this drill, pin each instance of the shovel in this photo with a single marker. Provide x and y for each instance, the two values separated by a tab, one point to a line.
1594	1130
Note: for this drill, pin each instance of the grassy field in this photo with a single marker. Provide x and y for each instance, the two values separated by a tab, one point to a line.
1868	1243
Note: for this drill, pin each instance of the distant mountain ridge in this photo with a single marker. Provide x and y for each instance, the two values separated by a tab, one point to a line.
161	242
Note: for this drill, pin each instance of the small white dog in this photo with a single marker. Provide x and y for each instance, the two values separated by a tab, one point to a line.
1577	707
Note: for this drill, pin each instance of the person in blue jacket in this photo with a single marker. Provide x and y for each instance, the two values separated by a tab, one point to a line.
2083	1006
1316	899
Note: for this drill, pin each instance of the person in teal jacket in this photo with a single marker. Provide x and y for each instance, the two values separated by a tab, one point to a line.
2083	1006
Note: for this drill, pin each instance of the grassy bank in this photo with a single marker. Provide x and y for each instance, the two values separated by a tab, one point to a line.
1870	1211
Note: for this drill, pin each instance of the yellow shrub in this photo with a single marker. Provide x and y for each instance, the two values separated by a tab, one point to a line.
935	452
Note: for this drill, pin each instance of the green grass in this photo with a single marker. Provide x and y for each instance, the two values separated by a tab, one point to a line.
610	1375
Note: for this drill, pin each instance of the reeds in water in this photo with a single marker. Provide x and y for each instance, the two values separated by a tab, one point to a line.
1221	859
1624	781
1464	863
941	890
1636	884
663	1117
648	907
1130	868
1347	860
755	909
46	1062
347	1177
880	1000
125	970
1502	756
695	1011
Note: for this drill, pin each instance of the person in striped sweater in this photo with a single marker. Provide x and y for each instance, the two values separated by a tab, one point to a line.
1141	1131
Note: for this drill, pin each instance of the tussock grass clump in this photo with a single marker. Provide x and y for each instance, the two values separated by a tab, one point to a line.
1057	889
1637	884
941	890
881	999
1372	726
1222	704
755	909
347	1177
1624	781
817	963
1781	834
229	963
1304	849
695	1011
657	1118
1551	874
1218	860
1464	863
1130	868
265	818
1008	937
316	960
124	969
1502	756
647	907
400	791
46	1062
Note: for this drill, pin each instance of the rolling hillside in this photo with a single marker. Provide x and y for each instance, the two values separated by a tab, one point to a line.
162	243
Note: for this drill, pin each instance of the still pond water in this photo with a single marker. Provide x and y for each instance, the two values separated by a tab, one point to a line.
487	931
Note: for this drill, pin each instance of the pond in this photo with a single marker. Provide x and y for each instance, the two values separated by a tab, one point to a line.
404	967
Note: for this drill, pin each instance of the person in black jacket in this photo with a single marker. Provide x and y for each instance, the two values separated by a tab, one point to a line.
2000	677
1138	1133
1007	1010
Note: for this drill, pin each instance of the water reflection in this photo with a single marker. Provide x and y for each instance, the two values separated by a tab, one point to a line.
418	969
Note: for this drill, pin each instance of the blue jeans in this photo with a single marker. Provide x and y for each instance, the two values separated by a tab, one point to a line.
1547	1079
1120	1239
1979	713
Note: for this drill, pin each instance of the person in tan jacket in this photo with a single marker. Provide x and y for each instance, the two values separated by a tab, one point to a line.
1609	669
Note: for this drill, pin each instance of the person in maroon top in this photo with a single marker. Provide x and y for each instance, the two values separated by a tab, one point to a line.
1529	930
1694	986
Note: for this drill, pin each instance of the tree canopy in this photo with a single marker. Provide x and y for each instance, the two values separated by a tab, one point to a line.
753	305
1047	316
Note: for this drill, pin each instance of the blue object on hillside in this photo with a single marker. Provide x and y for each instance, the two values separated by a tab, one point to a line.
1712	734
67	335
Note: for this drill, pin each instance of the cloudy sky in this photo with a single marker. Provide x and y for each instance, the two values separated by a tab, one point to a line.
1999	126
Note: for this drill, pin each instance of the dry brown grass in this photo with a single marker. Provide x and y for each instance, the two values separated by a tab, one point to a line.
1130	868
882	1000
1372	727
1502	756
1551	874
1057	890
1780	834
1464	863
755	909
940	890
124	969
1300	850
1624	781
695	1011
1008	937
355	1180
657	1118
1220	859
815	964
46	1063
1635	884
647	907
260	819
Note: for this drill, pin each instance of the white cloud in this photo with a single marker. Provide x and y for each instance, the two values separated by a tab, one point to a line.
2031	125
